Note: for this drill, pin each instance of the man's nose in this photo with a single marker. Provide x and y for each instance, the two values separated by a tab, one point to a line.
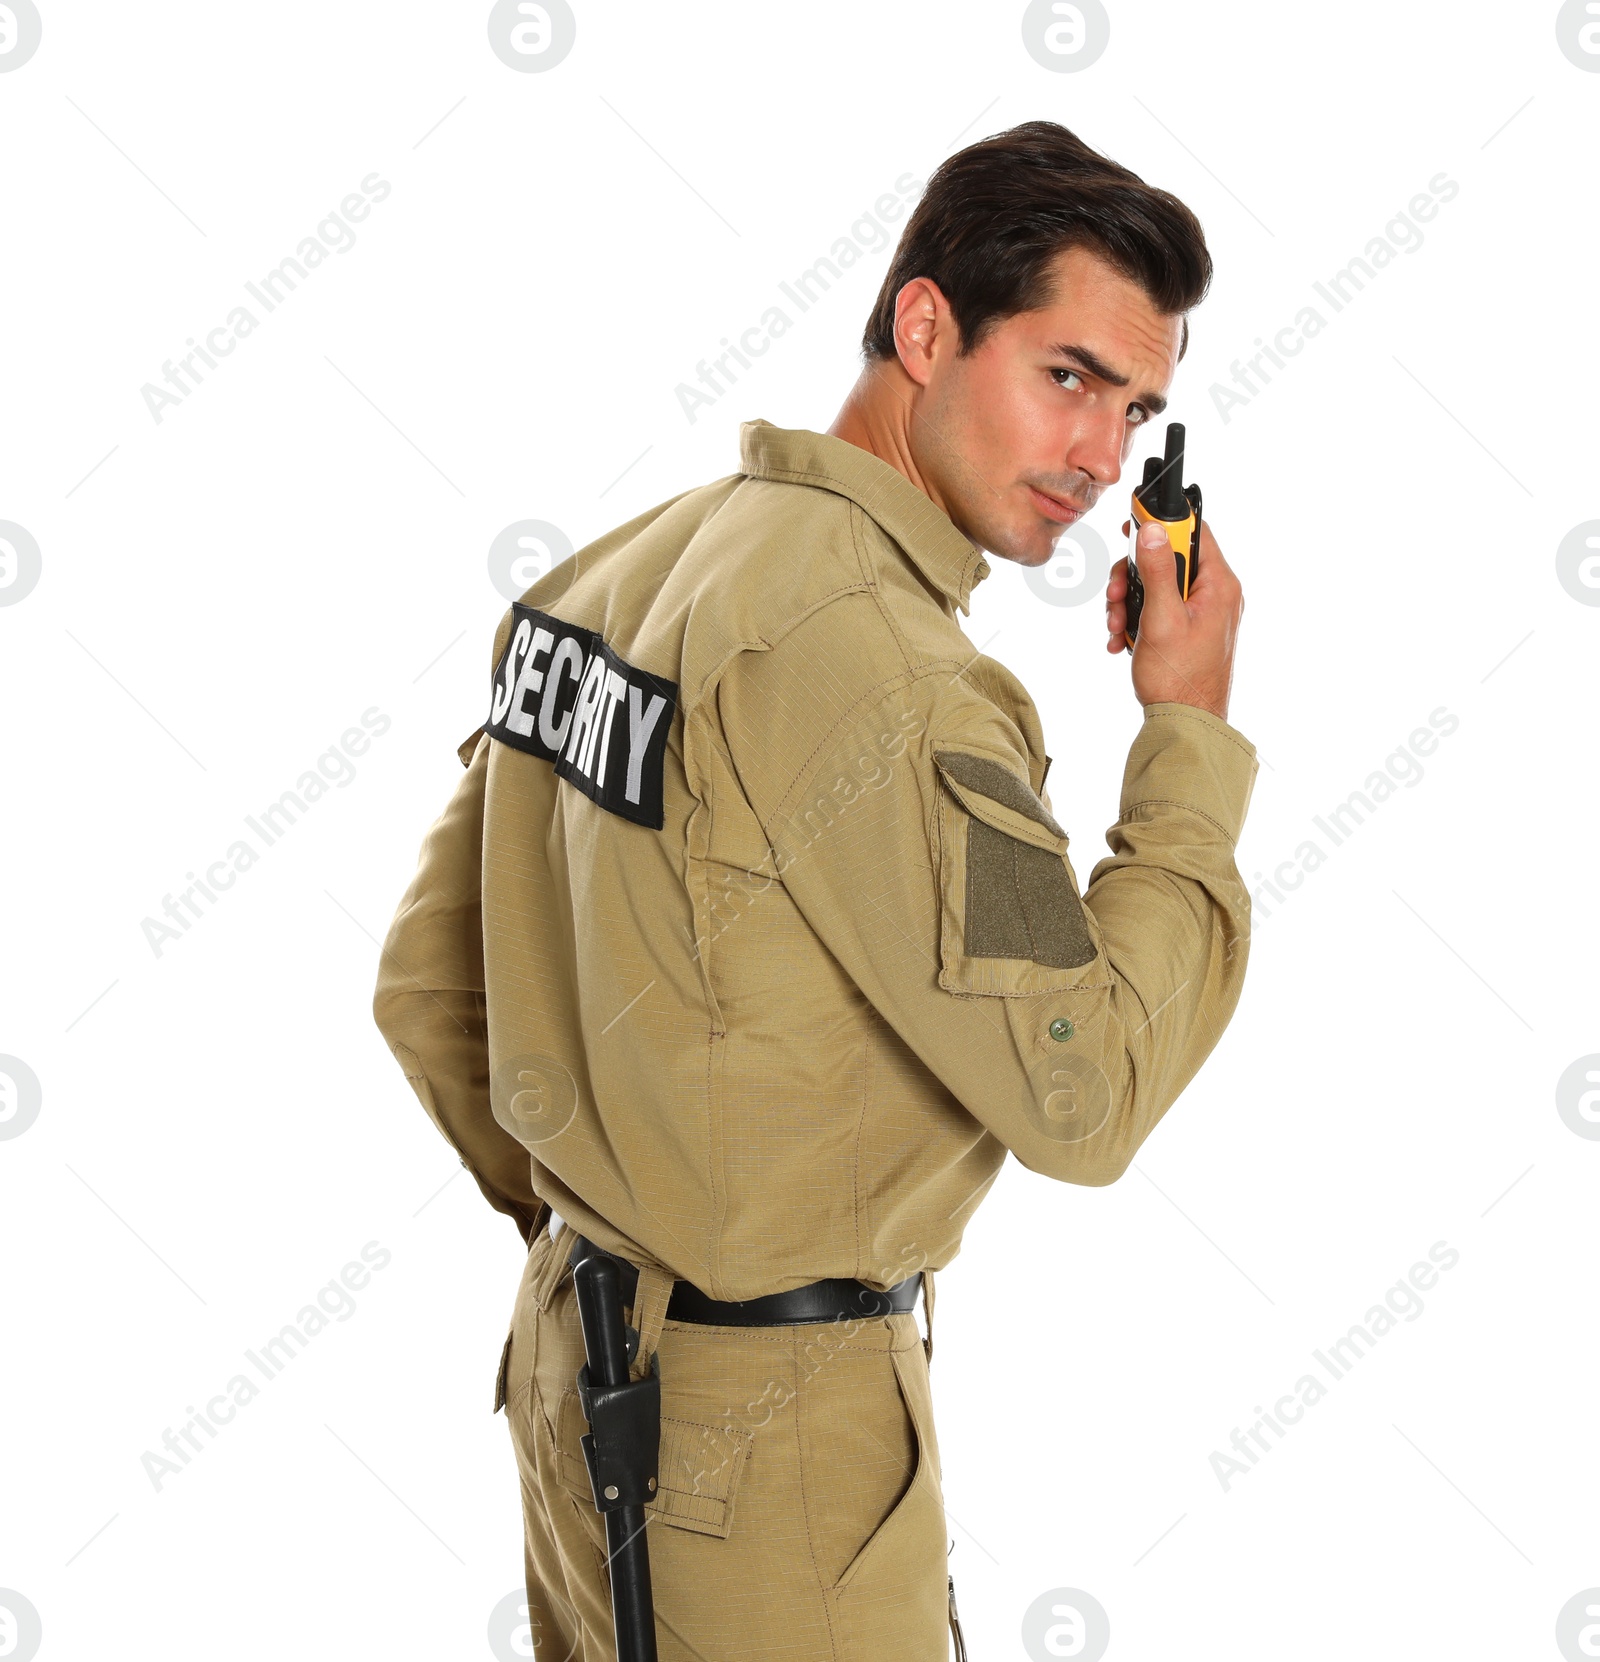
1096	457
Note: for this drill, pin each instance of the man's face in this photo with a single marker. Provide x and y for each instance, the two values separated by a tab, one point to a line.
1037	408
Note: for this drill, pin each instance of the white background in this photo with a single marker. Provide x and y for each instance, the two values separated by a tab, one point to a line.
304	538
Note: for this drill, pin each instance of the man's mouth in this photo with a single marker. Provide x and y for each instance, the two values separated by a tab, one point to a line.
1059	508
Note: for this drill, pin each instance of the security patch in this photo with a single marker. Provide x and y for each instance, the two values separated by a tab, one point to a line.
561	693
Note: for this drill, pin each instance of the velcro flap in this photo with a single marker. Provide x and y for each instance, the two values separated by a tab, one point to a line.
990	791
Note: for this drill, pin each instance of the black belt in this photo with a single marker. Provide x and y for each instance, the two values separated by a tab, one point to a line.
821	1301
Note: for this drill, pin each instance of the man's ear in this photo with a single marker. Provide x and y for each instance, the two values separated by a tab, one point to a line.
921	316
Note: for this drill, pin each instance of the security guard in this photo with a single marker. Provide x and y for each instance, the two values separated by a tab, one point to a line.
749	943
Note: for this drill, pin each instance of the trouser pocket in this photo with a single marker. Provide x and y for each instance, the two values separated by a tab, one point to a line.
894	1488
891	1600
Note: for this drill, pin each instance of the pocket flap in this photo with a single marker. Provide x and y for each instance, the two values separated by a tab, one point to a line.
698	1476
1012	921
990	791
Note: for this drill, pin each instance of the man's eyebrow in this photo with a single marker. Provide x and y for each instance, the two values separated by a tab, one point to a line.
1152	401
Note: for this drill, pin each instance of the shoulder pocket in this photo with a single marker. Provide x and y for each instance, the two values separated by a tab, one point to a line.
1011	921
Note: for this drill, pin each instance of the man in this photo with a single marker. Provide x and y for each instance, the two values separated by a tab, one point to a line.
749	943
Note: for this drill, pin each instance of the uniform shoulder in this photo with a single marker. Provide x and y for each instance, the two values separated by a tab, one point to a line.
775	554
843	677
582	586
782	550
777	549
728	566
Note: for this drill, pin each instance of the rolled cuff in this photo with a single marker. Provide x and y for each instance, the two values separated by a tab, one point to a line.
1188	757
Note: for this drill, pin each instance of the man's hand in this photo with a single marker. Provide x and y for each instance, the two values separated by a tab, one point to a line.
1184	653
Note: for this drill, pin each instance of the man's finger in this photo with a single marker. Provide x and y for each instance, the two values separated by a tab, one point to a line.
1215	585
1212	565
1158	568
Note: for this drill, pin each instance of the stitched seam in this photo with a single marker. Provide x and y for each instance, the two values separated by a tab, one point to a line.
1175	715
602	1570
1173	802
805	1508
536	1401
719	1201
773	471
713	676
821	600
842	487
863	564
514	1401
697	868
921	1466
869	571
760	1335
861	1121
1036	992
1042	818
873	695
945	850
889	622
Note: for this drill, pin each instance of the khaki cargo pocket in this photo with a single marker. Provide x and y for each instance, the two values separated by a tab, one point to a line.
699	1472
1011	920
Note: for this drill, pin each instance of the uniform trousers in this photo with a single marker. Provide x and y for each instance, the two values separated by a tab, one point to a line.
799	1513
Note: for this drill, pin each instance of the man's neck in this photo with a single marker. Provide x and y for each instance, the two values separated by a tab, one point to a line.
877	417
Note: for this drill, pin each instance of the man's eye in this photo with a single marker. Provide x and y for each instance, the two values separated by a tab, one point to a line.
1138	415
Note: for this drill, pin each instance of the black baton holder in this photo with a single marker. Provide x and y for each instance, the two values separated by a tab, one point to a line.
622	1450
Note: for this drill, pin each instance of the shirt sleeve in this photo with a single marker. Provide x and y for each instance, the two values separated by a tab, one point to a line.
1067	1022
429	1002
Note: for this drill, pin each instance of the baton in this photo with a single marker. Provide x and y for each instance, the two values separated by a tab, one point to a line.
621	1450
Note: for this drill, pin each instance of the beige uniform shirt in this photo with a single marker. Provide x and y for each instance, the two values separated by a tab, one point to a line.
749	940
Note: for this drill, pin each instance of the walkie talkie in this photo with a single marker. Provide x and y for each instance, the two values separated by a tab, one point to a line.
1162	496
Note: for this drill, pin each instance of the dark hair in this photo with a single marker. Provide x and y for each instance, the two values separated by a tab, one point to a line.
994	216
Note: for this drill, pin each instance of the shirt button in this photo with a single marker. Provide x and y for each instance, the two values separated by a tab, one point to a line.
1061	1028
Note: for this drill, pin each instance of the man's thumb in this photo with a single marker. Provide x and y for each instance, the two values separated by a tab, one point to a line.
1158	567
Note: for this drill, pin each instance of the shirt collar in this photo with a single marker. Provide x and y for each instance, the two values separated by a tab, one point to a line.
925	532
